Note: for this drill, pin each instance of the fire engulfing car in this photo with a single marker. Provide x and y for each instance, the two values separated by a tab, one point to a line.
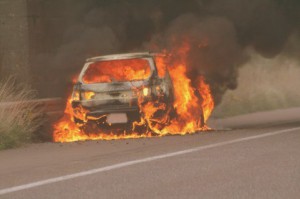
116	88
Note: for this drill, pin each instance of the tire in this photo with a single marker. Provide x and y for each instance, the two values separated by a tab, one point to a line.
78	121
202	123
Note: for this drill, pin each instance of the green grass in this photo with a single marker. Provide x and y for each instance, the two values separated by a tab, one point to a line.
20	121
264	84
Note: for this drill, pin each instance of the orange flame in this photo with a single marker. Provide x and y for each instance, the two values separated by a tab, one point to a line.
187	105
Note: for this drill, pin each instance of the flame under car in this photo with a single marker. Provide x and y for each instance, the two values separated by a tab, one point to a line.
119	86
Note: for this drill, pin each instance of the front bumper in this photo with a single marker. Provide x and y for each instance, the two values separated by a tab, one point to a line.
97	112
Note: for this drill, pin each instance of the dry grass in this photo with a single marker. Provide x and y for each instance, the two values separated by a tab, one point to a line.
18	121
264	84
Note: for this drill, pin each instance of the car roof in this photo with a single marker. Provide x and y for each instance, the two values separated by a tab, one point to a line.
122	56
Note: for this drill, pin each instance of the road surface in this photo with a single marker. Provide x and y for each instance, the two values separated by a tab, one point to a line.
253	162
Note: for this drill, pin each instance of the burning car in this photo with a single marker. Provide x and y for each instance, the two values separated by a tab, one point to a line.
115	89
150	93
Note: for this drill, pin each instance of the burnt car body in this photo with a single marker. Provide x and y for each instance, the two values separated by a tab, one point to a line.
97	95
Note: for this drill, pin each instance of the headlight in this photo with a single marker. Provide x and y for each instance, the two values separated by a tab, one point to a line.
146	91
75	96
87	95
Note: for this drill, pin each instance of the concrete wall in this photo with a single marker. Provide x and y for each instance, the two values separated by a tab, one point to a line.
14	39
28	29
32	33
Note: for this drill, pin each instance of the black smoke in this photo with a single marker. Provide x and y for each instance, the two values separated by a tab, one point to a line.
219	32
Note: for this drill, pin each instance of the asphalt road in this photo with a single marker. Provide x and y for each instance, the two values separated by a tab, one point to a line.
260	162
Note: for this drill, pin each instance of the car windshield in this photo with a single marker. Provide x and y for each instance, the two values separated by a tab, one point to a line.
117	71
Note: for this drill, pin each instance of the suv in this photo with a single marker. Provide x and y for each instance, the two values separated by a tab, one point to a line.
112	89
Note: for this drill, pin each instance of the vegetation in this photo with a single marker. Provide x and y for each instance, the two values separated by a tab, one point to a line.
18	120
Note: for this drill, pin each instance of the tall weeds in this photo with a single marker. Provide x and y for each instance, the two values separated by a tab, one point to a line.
19	120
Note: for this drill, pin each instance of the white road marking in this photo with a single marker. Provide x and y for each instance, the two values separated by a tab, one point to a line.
134	162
